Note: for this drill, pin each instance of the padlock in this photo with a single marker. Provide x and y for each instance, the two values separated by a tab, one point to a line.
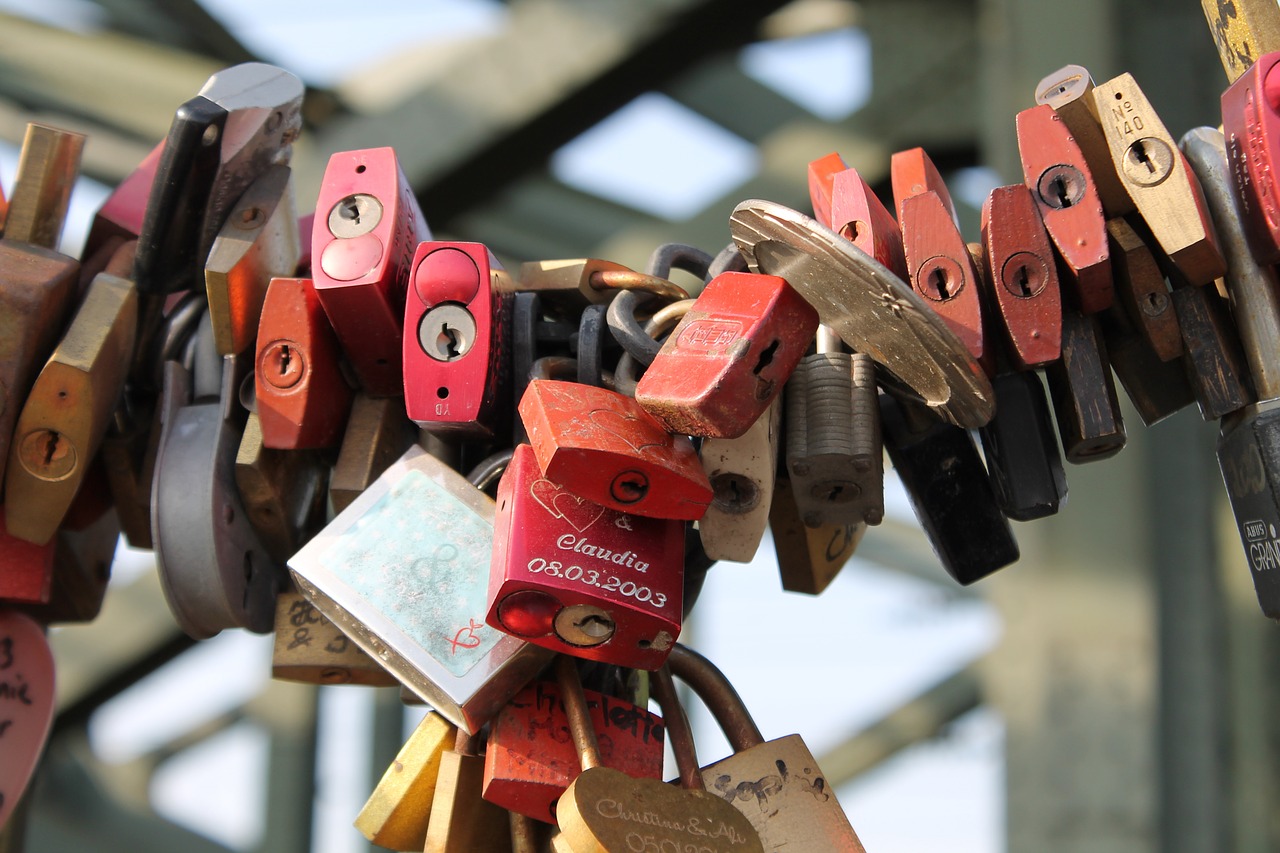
604	809
778	784
530	758
397	812
872	310
1247	435
457	322
741	471
283	491
243	121
577	577
258	242
1143	292
604	447
27	686
460	818
403	571
82	560
1157	178
377	434
120	216
809	558
1215	359
1069	90
1024	277
729	357
67	412
368	225
303	398
1251	123
569	284
1021	449
941	270
1243	31
1085	407
47	171
1156	388
949	491
26	569
913	173
843	202
309	648
1063	187
834	451
214	570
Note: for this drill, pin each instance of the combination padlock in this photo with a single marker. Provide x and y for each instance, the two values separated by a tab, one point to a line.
729	357
457	324
581	578
367	227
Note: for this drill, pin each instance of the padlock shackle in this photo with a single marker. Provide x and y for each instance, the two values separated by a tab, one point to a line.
718	694
575	708
730	259
554	367
680	256
679	732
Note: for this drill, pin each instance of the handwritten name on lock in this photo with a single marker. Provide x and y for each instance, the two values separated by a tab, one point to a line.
26	704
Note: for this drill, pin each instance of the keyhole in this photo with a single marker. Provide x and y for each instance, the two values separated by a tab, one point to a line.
1140	151
1059	187
449	342
350	211
940	283
766	356
594	626
833	495
285	358
1023	281
50	447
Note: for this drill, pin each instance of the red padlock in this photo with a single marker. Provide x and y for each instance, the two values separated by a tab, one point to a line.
121	215
574	576
366	229
1062	185
530	759
1024	276
912	173
854	212
604	447
729	356
303	399
457	322
1251	125
26	569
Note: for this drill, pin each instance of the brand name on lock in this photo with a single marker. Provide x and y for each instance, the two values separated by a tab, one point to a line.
1264	547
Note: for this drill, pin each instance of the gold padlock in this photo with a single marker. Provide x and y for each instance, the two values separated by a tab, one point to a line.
282	490
399	808
809	558
460	818
311	649
378	431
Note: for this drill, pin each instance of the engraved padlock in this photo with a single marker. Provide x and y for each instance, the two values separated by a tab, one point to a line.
368	225
581	578
1251	123
530	758
809	558
457	323
309	648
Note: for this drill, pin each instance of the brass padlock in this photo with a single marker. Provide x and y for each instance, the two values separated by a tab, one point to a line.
309	648
460	818
396	813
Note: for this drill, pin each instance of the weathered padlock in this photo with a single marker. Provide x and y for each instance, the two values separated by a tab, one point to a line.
26	576
834	450
1157	388
460	818
1062	185
1157	178
243	121
457	320
729	357
283	491
1021	449
569	284
741	471
1143	292
397	812
377	434
47	170
303	399
777	785
1090	425
577	577
1251	123
911	173
1214	357
530	759
403	571
310	648
68	409
1243	31
366	229
604	447
604	809
809	558
844	202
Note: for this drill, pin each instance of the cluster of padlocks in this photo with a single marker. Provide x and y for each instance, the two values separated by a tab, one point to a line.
418	468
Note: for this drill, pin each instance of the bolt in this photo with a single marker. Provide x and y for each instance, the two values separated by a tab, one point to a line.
1061	186
629	487
1148	161
355	215
47	455
939	278
1024	274
281	365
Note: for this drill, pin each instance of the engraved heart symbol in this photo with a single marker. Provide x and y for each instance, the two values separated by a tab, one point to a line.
579	512
605	809
638	433
26	704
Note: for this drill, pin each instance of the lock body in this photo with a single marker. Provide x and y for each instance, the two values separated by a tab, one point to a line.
809	558
303	399
310	649
741	471
1021	449
530	759
457	321
581	578
26	569
397	812
1090	425
1142	290
844	202
1251	124
604	447
1249	457
367	227
377	433
729	357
